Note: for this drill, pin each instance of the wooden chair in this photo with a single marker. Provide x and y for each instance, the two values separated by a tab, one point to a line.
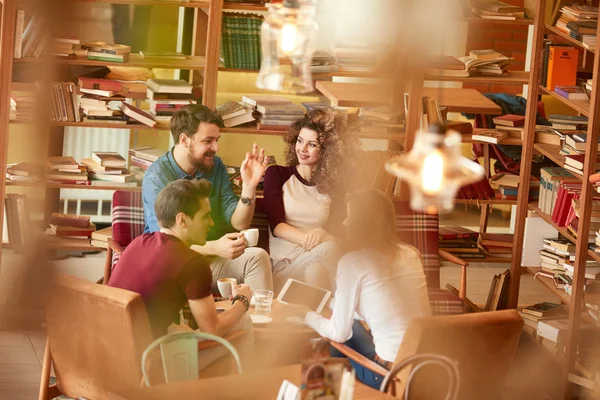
96	336
483	345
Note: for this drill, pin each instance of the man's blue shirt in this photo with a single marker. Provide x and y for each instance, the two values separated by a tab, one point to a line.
222	199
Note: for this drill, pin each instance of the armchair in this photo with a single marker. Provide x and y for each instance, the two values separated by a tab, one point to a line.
482	344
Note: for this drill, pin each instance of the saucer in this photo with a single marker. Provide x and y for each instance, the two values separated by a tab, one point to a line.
260	319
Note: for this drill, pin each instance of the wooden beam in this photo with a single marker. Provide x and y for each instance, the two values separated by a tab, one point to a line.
7	49
585	214
526	156
211	70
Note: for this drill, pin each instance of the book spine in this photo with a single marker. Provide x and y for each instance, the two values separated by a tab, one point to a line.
19	32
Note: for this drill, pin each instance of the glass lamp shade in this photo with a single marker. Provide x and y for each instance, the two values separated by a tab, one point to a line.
287	38
434	170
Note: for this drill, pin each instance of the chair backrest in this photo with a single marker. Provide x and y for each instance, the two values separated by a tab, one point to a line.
179	353
127	219
483	344
127	216
96	335
420	230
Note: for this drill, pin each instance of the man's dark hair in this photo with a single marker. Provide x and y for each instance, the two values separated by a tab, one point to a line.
178	196
188	118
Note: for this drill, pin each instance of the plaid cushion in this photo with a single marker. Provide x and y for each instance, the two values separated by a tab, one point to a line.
127	216
443	302
420	230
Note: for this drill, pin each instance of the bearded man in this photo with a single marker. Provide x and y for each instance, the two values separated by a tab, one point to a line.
195	130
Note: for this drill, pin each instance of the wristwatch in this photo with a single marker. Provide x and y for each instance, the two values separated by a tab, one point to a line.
247	200
241	298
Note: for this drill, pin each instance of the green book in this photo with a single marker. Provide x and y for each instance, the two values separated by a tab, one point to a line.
108	59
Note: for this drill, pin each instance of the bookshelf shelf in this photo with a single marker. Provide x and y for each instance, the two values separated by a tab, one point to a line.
45	185
561	229
549	284
193	4
486	201
227	5
581	106
516	77
479	20
316	76
159	126
135	60
566	37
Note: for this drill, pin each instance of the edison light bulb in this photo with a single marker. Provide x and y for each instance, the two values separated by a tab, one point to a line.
289	37
432	174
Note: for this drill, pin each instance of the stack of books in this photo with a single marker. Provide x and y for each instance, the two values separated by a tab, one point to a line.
102	51
112	88
143	157
535	313
460	241
108	169
550	181
70	226
65	170
496	244
494	9
64	47
273	112
24	172
568	122
478	62
235	113
575	143
100	237
167	96
323	62
355	55
381	119
579	21
22	108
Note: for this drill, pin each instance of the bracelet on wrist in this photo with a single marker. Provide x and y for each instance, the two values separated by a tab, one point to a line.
241	298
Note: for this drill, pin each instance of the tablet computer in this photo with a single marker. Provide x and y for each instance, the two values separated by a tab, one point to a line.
296	292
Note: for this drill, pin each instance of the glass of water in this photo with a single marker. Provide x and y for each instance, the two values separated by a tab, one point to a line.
263	299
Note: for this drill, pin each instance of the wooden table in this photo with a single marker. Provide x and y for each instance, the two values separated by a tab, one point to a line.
344	94
263	385
279	342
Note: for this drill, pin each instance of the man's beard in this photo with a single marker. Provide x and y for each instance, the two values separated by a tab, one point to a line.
202	164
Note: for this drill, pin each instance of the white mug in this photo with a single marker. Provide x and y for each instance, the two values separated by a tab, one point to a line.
251	236
225	286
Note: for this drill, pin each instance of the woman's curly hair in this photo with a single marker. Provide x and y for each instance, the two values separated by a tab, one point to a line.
337	151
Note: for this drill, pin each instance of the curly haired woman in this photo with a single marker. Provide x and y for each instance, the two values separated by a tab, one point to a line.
302	199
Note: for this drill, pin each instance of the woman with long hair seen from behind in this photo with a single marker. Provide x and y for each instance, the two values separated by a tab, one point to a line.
380	279
304	200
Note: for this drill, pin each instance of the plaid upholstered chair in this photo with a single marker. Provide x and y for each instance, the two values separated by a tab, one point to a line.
127	224
421	230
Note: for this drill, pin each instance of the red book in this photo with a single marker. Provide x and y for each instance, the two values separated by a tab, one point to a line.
137	114
509	120
456	232
78	221
99	84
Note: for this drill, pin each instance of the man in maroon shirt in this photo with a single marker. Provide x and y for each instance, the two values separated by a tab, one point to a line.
166	272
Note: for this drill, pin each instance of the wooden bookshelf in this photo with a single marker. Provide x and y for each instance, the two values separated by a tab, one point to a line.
45	185
581	106
135	60
566	37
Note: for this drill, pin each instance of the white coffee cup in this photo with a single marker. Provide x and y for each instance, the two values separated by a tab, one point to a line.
251	236
225	286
